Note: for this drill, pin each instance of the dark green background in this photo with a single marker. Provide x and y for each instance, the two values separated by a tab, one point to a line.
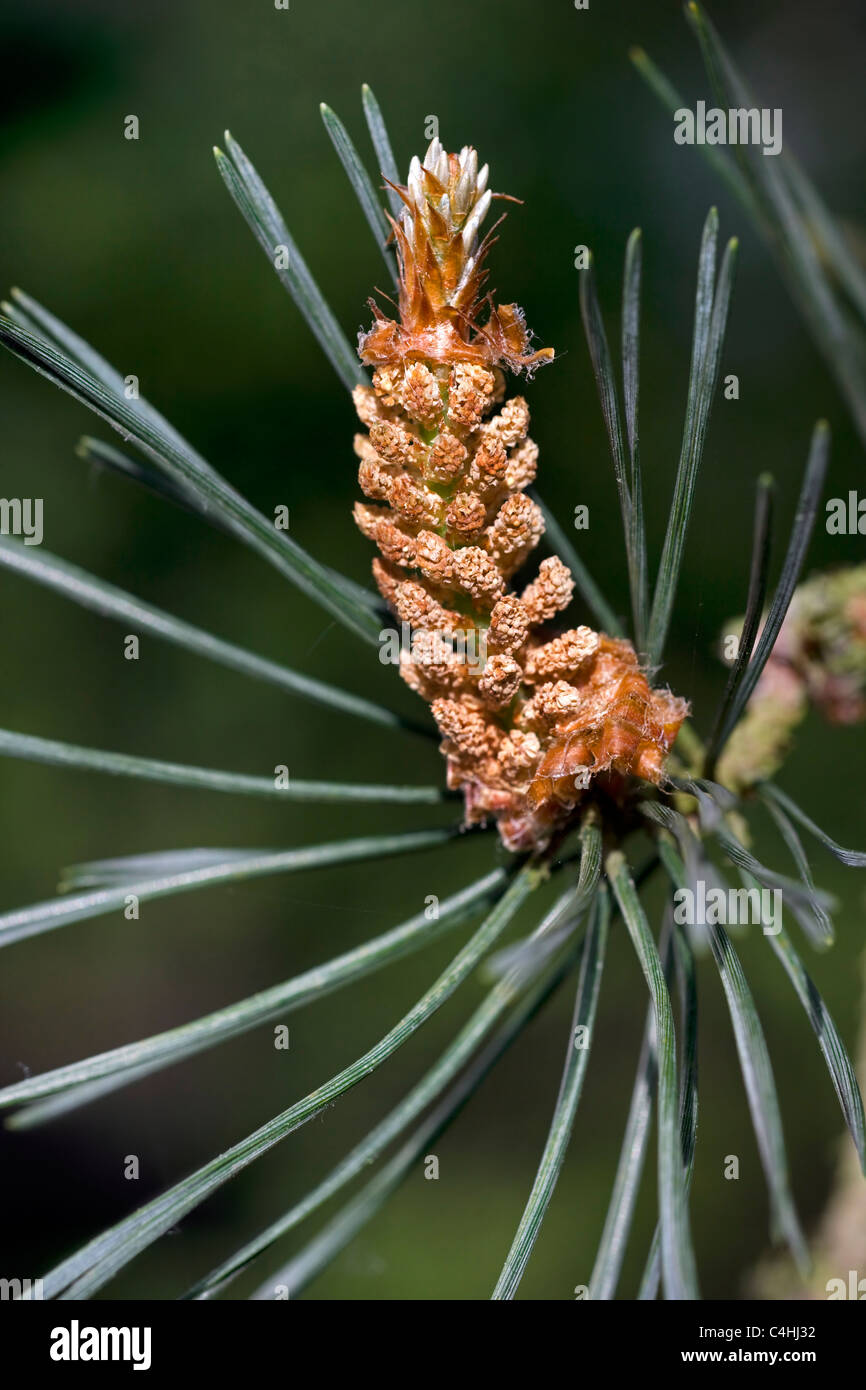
139	248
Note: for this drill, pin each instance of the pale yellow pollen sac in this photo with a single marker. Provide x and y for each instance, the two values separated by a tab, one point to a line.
500	681
489	772
518	527
550	593
509	625
477	575
374	479
396	545
529	719
488	467
556	700
411	601
454	773
434	558
466	727
432	680
366	405
387	385
396	444
518	752
417	505
422	400
365	451
446	458
434	652
511	425
522	466
466	514
470	394
388	579
367	519
563	656
418	680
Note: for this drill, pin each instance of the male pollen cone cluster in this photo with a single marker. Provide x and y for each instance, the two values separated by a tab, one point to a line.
529	722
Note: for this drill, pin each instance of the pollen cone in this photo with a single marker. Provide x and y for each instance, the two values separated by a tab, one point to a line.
530	721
